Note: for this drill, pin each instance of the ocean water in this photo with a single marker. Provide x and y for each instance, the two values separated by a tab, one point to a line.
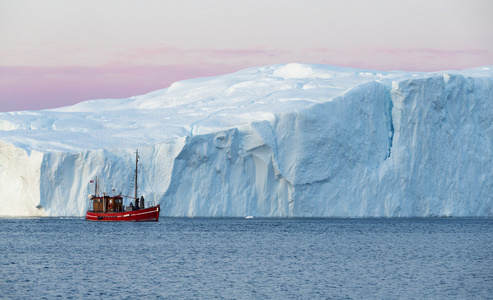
181	258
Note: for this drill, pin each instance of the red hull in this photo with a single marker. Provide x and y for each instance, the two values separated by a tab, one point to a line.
150	214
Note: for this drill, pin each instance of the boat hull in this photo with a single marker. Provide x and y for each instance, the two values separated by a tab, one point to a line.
150	214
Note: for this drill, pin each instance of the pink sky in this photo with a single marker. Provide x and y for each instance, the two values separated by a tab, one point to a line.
55	53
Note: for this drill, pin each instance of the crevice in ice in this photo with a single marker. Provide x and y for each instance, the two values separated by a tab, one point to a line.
195	125
389	106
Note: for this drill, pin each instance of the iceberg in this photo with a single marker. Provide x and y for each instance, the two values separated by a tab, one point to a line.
291	140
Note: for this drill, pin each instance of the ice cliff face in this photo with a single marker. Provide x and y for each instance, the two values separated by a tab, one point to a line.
279	141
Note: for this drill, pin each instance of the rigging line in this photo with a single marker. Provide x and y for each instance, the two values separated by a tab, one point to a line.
150	185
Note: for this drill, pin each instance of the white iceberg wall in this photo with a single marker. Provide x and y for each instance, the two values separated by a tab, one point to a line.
20	181
440	154
65	178
229	173
208	178
442	149
307	163
421	145
328	152
423	148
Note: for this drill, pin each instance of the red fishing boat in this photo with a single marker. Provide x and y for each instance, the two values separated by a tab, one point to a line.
111	208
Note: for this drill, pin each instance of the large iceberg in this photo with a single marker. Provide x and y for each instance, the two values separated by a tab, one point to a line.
293	140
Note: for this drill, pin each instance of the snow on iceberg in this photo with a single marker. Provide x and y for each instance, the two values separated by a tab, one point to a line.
291	140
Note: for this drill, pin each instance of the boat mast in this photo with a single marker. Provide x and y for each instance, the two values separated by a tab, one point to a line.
136	166
96	187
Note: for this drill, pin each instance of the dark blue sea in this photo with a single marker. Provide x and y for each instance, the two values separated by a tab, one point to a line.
182	258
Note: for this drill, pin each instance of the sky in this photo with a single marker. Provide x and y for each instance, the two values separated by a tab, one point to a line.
55	53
